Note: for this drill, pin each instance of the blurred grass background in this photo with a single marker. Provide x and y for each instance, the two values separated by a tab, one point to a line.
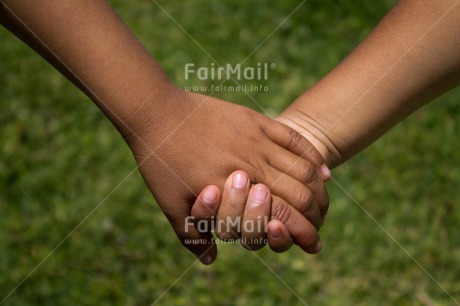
60	158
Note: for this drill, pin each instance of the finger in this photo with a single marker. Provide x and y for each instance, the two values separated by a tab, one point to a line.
201	244
302	232
278	236
256	216
289	139
178	212
295	193
231	209
305	172
207	204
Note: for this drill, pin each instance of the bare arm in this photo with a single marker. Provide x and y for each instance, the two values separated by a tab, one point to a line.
181	141
90	45
410	58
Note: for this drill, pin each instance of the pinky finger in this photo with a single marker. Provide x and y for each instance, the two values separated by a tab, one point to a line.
278	236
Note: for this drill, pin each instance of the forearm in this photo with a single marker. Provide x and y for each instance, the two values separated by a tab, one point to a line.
410	58
89	44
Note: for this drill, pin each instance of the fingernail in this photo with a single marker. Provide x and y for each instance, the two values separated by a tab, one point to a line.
240	180
318	246
275	233
206	259
209	196
326	172
259	195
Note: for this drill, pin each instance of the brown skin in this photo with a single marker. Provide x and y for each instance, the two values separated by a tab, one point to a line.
175	166
181	141
409	59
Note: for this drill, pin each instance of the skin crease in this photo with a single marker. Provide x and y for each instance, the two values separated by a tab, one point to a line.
181	141
409	59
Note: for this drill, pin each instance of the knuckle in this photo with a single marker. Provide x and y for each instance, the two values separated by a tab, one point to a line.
311	152
281	211
309	173
260	120
304	201
257	120
258	170
294	138
261	174
236	200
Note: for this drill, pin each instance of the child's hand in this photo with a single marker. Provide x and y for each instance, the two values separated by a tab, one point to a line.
253	215
201	140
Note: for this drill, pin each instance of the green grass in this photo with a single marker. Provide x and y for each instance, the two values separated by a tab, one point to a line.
60	158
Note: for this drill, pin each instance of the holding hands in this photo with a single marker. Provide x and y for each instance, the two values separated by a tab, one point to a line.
257	170
202	133
181	141
256	217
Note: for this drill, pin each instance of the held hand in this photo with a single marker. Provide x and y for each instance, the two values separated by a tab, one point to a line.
259	216
201	140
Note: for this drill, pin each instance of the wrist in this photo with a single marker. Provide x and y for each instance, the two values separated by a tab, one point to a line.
147	115
314	132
